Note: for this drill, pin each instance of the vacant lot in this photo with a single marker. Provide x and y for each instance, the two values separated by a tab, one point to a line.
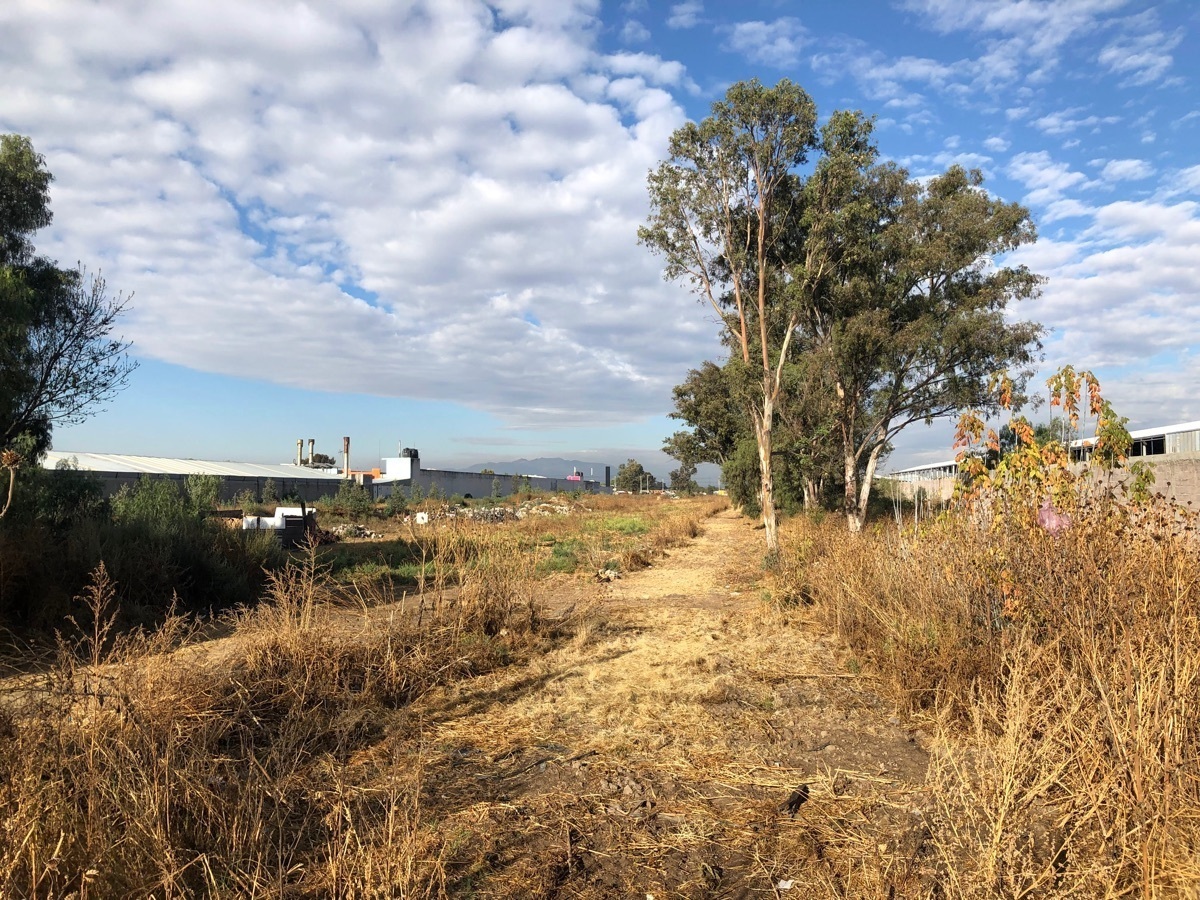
690	727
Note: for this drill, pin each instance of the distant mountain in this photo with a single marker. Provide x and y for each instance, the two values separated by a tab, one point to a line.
549	467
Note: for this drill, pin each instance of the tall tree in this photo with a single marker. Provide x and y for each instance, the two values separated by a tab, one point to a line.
58	361
718	208
718	419
632	477
901	298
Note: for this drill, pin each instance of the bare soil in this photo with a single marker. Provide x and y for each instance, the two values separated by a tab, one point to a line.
693	740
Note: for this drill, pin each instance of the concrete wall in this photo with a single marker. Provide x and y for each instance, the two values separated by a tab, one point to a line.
937	490
1176	476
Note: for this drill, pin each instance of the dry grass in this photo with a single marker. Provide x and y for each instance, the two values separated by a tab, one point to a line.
292	758
1062	677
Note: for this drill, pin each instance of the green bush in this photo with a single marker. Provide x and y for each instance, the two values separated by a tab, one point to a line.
156	545
203	491
395	505
352	501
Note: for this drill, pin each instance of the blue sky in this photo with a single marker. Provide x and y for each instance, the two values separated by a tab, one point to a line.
415	222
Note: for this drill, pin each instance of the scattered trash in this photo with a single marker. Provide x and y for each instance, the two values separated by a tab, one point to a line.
353	529
785	884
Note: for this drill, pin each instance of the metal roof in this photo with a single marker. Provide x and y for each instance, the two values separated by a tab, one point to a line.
1162	430
164	465
935	465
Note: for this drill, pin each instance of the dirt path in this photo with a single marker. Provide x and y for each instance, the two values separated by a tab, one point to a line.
693	741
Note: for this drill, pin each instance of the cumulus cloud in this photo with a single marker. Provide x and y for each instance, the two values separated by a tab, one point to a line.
1123	291
1126	170
996	144
776	44
634	32
1046	180
334	196
686	14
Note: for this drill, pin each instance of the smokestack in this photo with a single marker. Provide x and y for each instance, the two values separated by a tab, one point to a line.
299	451
312	443
346	454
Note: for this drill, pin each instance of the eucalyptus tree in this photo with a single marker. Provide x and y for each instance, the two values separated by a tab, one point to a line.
901	297
719	207
58	359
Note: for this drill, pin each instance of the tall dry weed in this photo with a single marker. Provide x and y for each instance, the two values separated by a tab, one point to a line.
1060	667
234	770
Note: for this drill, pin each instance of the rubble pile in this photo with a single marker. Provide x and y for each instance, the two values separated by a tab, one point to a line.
353	530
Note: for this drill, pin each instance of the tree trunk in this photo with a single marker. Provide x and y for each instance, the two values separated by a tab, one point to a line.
811	492
854	518
762	431
12	480
864	493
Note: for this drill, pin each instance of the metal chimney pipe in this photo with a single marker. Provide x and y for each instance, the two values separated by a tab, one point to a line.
312	443
299	451
346	454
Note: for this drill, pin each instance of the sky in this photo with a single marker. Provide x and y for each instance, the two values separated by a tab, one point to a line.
414	222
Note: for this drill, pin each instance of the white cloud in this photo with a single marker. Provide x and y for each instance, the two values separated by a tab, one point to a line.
889	81
997	144
1189	179
1067	121
333	196
1044	179
634	32
1142	56
776	44
1126	170
686	14
1125	290
1028	35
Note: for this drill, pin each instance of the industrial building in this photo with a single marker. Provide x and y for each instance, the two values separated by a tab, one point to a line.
937	480
117	470
304	481
405	475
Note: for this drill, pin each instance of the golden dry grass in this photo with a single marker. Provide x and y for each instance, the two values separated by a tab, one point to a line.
290	758
1062	673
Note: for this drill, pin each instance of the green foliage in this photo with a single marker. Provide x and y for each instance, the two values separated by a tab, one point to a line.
854	299
57	361
741	477
627	524
497	489
154	544
154	502
351	500
683	479
203	491
633	478
395	505
270	491
563	557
